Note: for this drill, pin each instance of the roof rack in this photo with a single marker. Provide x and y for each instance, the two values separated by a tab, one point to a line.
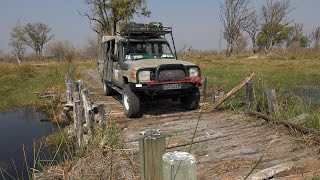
151	29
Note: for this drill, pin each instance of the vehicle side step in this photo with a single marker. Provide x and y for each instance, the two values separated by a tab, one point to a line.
115	88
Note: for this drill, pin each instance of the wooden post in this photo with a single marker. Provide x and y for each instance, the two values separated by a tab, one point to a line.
231	92
272	102
152	146
103	122
78	113
250	95
179	166
69	90
205	87
87	107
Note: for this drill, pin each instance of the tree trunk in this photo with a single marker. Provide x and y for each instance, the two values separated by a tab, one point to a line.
39	53
270	44
18	59
254	46
229	50
114	28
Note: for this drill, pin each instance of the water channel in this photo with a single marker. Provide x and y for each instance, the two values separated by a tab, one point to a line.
19	130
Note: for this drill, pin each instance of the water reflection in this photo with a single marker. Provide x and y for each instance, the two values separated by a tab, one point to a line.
19	130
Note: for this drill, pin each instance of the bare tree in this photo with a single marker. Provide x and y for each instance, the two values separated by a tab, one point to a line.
233	16
1	55
18	47
91	50
253	28
315	37
36	36
107	15
274	16
61	50
241	44
295	35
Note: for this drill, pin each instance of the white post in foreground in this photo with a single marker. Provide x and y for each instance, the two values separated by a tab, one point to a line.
152	146
179	166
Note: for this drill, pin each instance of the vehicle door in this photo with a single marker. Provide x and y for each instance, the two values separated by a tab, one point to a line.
109	62
117	74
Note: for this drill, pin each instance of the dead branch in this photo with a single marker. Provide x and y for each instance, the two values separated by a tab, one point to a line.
259	115
290	125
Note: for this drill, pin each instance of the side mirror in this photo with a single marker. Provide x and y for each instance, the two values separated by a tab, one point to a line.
114	58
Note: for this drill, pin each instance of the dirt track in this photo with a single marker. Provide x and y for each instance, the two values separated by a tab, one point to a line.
231	143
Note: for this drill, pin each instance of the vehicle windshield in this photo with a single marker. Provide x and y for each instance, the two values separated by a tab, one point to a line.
148	50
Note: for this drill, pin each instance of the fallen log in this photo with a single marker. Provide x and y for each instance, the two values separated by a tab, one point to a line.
46	96
272	171
297	127
259	115
232	92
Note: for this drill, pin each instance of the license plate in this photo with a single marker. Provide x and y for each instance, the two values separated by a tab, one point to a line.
171	86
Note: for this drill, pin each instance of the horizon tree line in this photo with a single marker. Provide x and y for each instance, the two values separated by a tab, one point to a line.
267	27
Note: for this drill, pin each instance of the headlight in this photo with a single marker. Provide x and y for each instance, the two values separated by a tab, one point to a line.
194	72
144	76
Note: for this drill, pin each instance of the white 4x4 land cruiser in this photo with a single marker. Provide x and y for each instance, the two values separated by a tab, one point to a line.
139	64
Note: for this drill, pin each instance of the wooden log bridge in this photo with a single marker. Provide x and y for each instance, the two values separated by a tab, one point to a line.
83	109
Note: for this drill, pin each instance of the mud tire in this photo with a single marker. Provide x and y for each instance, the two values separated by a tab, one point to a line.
131	102
192	100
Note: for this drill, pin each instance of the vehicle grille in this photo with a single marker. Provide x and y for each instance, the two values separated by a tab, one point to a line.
171	74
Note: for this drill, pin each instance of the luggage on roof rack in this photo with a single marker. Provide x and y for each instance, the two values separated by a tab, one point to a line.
151	29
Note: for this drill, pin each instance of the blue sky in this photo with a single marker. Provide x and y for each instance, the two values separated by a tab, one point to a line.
195	22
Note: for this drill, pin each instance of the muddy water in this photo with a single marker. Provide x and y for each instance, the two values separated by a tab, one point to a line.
18	129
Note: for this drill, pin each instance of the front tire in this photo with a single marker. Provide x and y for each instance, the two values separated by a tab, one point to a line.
131	102
192	100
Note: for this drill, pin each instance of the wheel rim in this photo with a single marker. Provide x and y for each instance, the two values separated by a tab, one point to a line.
126	101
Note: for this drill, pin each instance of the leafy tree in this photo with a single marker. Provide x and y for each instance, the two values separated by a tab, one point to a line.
109	15
296	38
274	16
36	36
281	36
304	41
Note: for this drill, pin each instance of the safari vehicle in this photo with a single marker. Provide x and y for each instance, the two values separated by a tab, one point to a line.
140	64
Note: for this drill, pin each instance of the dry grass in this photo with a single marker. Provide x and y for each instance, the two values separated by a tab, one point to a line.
19	83
286	72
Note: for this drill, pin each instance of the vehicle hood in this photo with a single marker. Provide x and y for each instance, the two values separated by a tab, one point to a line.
154	63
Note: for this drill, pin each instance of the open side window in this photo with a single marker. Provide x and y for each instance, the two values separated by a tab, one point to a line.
110	49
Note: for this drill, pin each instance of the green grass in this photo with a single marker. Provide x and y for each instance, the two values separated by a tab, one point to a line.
19	83
286	76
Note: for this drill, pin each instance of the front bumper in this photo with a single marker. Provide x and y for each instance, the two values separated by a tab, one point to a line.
167	87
